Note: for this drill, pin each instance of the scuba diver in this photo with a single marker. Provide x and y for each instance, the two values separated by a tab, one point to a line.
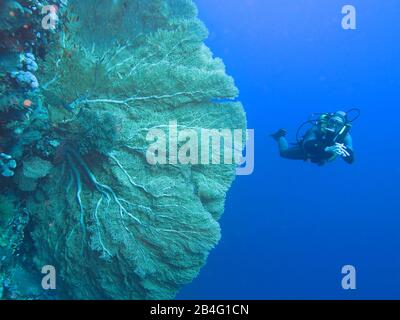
328	139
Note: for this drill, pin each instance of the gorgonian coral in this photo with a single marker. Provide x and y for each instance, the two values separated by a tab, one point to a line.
121	227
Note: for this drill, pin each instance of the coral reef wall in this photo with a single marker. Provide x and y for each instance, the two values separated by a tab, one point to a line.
113	225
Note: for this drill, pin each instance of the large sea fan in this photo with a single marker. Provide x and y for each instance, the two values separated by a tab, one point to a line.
113	225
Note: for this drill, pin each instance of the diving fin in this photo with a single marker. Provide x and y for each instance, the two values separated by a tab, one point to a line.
279	134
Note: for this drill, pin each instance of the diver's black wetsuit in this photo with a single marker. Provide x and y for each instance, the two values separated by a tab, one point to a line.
313	147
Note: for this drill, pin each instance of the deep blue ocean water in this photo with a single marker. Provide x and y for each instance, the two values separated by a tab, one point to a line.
290	227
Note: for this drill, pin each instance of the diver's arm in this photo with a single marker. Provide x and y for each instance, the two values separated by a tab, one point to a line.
348	142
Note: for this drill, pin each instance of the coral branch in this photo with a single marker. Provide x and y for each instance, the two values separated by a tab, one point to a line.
78	191
134	99
96	216
135	184
103	189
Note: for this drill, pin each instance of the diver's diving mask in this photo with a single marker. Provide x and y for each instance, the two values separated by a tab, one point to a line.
335	124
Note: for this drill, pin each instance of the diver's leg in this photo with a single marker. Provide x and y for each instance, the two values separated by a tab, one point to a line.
283	145
293	153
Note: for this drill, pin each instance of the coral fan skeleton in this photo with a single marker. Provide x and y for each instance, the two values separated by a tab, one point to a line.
85	96
77	164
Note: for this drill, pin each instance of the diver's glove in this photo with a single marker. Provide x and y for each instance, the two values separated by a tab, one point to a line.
339	149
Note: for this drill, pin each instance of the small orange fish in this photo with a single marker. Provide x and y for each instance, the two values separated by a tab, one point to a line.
27	103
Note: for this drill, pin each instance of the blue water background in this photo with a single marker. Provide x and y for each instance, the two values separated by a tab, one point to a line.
290	227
